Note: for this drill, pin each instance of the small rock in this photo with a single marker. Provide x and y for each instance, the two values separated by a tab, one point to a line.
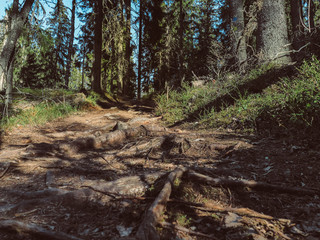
123	231
232	220
121	126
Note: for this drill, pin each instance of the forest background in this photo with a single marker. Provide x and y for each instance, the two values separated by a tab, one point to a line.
169	50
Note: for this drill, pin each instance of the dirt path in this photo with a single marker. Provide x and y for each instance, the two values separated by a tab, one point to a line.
109	174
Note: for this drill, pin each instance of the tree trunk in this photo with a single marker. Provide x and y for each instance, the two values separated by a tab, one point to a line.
96	68
237	32
70	48
120	54
128	47
311	14
17	20
297	27
272	37
140	49
181	30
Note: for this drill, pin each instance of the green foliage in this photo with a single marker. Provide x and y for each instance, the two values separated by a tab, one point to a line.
37	115
93	98
183	219
176	105
292	104
38	106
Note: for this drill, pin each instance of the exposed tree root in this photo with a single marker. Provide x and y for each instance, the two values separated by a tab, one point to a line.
218	182
209	207
147	229
34	230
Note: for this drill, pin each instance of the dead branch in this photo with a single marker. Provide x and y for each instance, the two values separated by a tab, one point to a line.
183	229
34	230
224	182
147	229
210	207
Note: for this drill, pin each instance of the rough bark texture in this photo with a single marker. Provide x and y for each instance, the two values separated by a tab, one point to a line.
128	46
70	47
297	28
16	21
272	37
237	31
140	50
97	47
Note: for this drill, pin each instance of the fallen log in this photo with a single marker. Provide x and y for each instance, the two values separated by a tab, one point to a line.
34	230
224	182
147	229
125	186
112	139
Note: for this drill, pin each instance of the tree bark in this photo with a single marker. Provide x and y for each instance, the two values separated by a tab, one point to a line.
70	47
120	54
181	30
96	84
16	21
297	27
237	32
128	47
140	49
272	37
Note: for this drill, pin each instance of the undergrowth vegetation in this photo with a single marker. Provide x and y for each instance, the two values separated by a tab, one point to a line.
291	104
38	106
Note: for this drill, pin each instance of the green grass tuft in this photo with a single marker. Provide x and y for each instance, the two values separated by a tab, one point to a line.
37	115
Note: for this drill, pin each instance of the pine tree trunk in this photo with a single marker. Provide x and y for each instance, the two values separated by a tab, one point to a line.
128	46
70	48
181	18
272	37
17	20
96	68
140	49
237	32
121	54
297	28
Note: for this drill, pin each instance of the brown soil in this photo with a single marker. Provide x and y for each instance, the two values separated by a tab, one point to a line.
52	176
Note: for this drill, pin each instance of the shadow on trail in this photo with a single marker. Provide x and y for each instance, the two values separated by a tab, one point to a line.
255	86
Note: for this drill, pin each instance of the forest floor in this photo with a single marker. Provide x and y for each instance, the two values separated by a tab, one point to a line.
119	174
